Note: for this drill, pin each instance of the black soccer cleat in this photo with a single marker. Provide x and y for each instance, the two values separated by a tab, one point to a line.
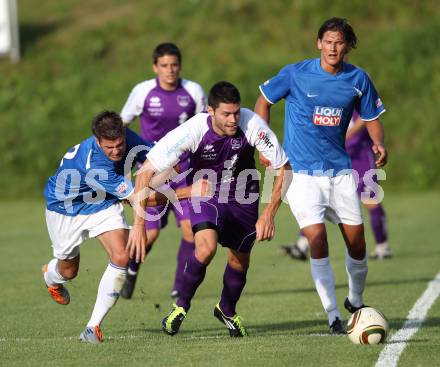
128	287
234	324
294	252
350	308
337	327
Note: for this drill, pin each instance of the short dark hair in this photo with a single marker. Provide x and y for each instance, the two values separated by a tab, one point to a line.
339	25
223	92
108	125
166	48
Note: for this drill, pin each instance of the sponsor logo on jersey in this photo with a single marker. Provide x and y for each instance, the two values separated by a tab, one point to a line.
235	143
155	101
266	82
327	116
183	101
378	102
358	92
209	153
263	136
122	187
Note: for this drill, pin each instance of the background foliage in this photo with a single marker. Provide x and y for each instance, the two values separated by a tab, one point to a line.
82	57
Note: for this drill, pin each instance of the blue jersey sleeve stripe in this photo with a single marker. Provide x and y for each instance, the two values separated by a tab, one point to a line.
374	118
265	97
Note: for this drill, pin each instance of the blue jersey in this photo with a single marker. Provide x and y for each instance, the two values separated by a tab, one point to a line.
87	181
318	110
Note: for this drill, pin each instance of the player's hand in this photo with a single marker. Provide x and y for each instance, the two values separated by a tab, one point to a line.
137	241
381	155
265	227
263	160
203	188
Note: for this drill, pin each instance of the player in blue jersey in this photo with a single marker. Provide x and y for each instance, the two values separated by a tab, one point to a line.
83	201
320	96
162	104
221	145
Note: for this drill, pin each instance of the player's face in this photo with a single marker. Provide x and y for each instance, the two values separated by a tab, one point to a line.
333	50
225	118
167	69
113	149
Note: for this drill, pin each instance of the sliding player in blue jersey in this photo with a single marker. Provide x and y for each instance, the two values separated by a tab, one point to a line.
320	96
83	201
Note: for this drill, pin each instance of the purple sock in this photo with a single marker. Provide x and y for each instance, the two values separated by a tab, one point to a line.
185	250
233	284
133	266
192	277
378	221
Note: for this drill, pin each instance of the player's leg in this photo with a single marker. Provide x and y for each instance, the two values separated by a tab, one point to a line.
157	218
186	247
378	222
66	234
355	265
114	242
234	280
206	218
308	199
205	249
111	229
133	266
347	213
299	250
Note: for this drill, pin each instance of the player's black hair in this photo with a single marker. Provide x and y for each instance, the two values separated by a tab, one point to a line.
339	25
223	92
166	48
108	125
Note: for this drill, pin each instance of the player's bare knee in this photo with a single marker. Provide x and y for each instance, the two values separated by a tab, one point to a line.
120	258
69	272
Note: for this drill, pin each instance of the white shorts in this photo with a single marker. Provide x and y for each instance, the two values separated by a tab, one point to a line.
67	232
315	198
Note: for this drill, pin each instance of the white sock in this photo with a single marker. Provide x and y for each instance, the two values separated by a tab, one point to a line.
322	274
51	276
357	275
303	244
108	293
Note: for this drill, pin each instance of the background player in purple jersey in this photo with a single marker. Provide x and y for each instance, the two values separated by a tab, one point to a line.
358	145
221	146
83	201
162	104
321	95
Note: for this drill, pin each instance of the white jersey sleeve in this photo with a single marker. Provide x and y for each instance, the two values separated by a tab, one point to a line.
197	93
135	103
259	135
184	138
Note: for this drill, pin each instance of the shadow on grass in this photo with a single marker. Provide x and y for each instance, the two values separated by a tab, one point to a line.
339	286
30	33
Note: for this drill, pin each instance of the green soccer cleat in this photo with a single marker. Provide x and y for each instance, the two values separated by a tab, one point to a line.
171	323
234	324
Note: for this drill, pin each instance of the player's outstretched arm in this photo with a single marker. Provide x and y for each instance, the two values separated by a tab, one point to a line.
137	238
265	226
375	130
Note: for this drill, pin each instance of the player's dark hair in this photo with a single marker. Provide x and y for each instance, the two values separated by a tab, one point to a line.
166	48
108	125
223	92
339	25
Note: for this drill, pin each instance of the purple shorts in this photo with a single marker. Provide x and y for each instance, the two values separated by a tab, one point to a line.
234	222
361	162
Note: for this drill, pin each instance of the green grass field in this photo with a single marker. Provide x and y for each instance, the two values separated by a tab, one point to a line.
279	304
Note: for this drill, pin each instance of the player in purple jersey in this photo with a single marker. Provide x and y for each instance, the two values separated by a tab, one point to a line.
358	145
162	104
83	201
321	95
221	146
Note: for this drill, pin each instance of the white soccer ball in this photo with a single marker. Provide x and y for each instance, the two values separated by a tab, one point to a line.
367	326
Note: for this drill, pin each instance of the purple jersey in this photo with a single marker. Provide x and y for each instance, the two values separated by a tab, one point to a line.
226	160
161	111
361	140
